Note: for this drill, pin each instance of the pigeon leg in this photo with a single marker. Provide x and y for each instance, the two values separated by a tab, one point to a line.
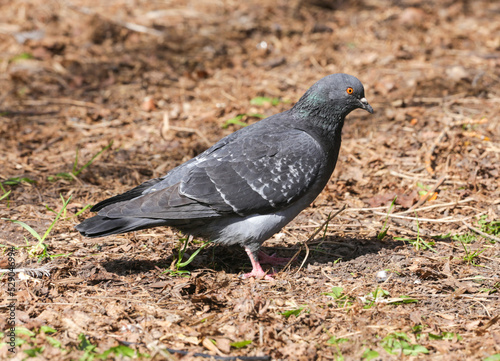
257	270
272	260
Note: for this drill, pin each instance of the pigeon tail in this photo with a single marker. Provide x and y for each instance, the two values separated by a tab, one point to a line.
100	226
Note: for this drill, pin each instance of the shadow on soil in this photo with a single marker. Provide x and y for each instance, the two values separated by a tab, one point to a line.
234	260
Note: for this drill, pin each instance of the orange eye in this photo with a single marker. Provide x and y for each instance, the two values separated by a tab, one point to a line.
350	90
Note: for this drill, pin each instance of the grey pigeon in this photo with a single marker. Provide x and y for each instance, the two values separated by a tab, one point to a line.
250	184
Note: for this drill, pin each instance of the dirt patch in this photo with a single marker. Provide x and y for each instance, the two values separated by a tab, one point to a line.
160	81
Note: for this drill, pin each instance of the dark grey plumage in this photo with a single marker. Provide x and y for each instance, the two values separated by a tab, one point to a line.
248	185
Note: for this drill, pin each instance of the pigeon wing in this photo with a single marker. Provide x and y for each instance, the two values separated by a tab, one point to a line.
261	172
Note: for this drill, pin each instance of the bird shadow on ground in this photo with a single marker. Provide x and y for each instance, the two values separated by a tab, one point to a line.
320	251
233	259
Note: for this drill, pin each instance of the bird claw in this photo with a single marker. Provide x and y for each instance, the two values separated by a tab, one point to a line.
259	274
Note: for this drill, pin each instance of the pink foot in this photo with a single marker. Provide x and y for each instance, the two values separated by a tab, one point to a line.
259	274
257	270
272	260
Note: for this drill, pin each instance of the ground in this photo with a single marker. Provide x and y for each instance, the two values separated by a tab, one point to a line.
160	81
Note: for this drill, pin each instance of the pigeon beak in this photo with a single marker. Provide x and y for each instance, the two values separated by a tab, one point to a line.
365	105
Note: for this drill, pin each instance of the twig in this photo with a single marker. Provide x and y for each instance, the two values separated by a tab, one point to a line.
419	177
327	276
428	195
140	28
127	25
328	219
365	209
436	206
305	258
487	312
481	233
442	220
59	101
467	200
166	127
47	145
428	155
468	296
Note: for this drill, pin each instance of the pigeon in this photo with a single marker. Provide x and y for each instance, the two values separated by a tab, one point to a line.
251	183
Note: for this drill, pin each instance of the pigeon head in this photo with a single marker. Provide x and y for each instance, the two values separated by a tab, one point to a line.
333	97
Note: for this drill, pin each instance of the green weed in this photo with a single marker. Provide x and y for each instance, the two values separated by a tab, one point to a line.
237	120
489	227
86	346
121	351
369	354
445	336
22	56
294	312
397	343
403	300
75	172
40	248
336	341
30	339
259	101
471	257
385	228
374	297
240	344
424	189
266	100
465	238
5	195
17	180
118	352
12	182
419	243
177	271
495	357
341	299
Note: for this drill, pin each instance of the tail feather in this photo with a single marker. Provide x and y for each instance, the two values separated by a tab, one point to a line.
131	194
100	226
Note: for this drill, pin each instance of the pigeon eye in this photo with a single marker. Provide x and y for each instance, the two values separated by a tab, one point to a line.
350	91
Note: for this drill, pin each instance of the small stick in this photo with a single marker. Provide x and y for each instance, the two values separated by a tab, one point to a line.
437	206
328	219
428	155
429	194
441	220
127	25
165	127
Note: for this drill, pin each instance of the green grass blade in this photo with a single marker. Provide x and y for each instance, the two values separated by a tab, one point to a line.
26	227
65	204
82	210
384	230
92	159
5	195
184	264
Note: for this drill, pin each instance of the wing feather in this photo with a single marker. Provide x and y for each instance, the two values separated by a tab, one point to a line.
262	172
